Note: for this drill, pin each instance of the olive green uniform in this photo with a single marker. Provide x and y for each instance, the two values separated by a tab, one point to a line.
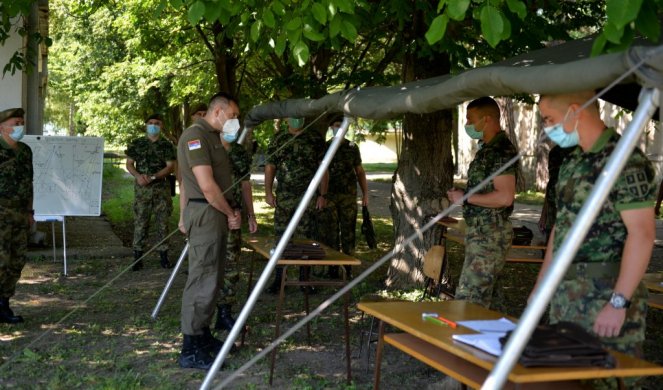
154	198
16	193
207	228
587	286
489	231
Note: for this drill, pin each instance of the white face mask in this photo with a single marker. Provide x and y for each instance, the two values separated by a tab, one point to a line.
17	133
231	126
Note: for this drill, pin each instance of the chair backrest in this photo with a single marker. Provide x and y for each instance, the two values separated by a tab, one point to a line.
433	262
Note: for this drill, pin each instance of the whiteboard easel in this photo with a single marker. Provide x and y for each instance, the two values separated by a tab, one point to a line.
52	219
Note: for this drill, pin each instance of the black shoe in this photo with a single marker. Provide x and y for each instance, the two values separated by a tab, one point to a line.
164	260
194	355
139	264
6	314
275	287
224	319
210	343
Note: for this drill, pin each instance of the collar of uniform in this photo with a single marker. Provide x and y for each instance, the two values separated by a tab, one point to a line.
206	126
499	134
4	143
603	139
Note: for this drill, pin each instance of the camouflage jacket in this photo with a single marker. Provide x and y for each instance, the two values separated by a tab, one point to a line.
241	167
634	189
296	159
342	175
492	156
16	174
151	157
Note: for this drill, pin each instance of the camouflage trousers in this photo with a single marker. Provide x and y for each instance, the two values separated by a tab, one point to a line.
285	209
580	300
345	223
13	245
229	288
486	247
151	200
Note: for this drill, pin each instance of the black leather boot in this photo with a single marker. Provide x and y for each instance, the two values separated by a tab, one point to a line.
164	260
224	319
210	343
275	287
304	275
138	265
6	314
193	354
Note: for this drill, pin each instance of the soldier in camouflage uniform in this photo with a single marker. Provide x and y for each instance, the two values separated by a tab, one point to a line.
293	157
547	220
602	290
16	213
150	159
345	172
242	194
489	231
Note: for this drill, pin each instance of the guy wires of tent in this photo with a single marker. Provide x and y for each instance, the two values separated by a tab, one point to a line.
280	247
649	99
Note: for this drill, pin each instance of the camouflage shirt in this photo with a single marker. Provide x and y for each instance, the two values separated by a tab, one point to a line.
241	167
342	175
634	189
151	157
492	156
16	173
296	159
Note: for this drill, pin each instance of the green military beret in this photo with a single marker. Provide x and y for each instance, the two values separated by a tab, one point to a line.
11	113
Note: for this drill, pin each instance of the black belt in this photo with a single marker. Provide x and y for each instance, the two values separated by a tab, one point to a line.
198	200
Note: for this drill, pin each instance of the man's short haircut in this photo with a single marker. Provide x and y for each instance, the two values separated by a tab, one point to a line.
486	105
221	98
563	100
154	116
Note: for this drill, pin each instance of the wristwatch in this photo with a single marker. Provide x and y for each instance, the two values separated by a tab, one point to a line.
619	301
153	178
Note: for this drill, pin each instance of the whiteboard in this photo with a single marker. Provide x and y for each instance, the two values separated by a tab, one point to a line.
67	174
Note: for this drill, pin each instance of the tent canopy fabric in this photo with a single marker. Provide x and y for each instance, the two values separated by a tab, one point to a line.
559	69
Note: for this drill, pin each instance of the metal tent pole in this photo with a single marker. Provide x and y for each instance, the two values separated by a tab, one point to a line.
564	256
278	251
169	283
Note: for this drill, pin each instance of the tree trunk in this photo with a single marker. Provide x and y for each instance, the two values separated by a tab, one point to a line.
424	174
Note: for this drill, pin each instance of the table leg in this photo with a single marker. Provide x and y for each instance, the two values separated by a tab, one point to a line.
378	356
248	292
306	308
346	303
278	322
445	278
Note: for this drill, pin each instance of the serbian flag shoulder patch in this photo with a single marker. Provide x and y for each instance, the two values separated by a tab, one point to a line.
194	144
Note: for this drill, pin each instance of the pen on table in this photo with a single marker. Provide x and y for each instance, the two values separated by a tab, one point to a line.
447	321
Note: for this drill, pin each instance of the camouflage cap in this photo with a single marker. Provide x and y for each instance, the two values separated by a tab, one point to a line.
11	113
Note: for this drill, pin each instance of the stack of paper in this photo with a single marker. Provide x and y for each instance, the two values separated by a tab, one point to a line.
488	338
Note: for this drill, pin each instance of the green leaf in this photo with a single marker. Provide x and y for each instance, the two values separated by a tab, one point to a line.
176	3
440	5
255	30
518	8
312	34
622	12
491	25
345	6
456	9
294	24
268	18
437	29
599	45
279	48
30	355
319	13
348	31
278	7
506	31
613	33
331	8
293	36
196	12
647	22
301	53
335	26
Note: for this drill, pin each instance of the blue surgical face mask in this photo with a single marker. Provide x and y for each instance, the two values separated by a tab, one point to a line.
557	134
153	129
472	131
17	133
230	137
296	123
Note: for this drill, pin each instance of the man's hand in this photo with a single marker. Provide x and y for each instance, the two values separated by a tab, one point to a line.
143	180
253	225
455	196
235	222
270	199
364	200
609	321
321	203
180	225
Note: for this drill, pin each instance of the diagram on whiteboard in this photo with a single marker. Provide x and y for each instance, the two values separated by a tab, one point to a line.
67	175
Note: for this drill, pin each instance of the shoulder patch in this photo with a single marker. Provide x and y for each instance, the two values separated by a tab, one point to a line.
193	144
